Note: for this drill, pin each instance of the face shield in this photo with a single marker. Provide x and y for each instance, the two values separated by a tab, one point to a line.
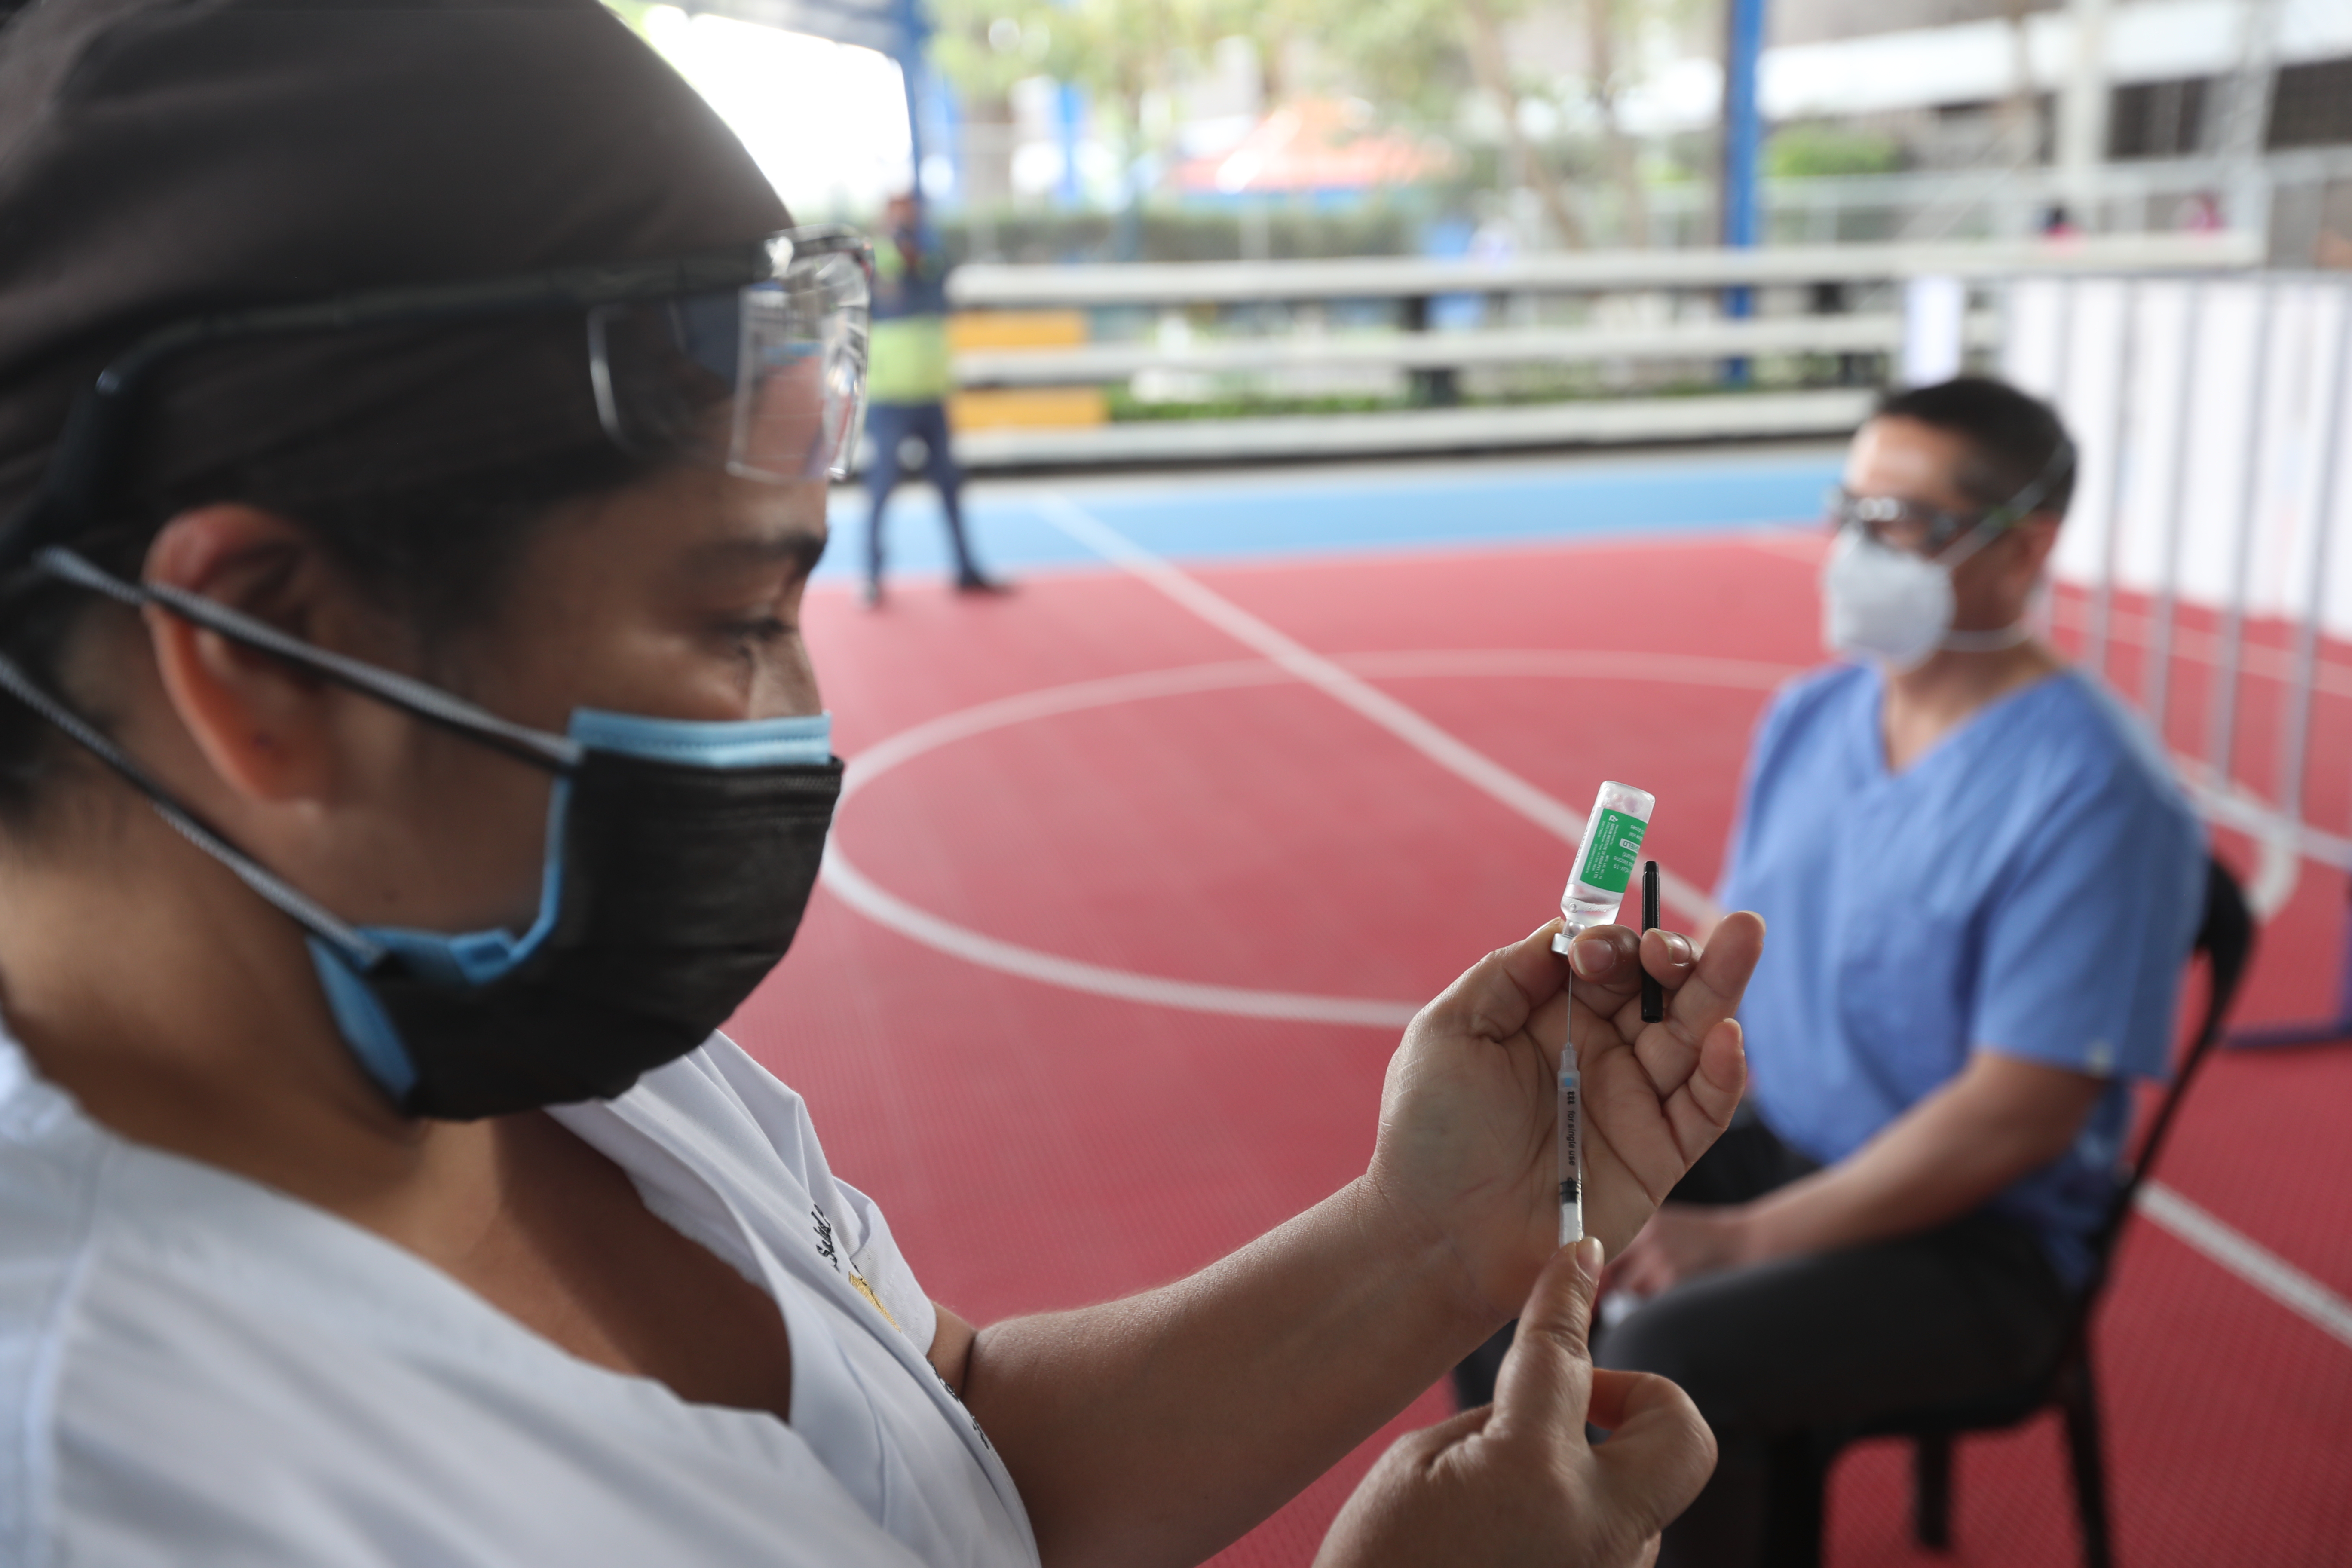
749	360
766	381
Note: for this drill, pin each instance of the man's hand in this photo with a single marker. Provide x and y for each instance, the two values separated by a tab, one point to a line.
1681	1242
1953	1149
1466	1146
1515	1482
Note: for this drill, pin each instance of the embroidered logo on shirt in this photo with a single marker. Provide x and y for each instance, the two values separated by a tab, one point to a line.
858	1281
824	1247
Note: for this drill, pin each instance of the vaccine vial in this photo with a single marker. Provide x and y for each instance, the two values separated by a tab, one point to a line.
1605	859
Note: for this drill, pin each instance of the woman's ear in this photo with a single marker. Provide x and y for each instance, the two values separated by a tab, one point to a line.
260	721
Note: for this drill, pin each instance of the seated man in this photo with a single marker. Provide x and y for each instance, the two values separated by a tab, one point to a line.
1982	885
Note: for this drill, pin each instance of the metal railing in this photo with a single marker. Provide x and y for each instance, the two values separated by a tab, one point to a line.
2213	526
1876	333
1990	195
997	284
1680	333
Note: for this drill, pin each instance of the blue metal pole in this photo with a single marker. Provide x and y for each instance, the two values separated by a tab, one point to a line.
914	34
1743	139
1069	113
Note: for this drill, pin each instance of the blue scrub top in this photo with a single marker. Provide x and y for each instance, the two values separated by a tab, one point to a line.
2029	886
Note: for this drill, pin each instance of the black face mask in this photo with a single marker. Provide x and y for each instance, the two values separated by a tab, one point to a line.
680	857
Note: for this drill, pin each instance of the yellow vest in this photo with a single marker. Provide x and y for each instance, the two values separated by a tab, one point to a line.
906	354
908	361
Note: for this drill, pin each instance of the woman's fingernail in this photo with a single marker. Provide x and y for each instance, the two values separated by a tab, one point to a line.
1679	945
1587	1257
1593	959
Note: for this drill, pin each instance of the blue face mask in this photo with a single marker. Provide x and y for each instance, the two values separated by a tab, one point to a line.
680	858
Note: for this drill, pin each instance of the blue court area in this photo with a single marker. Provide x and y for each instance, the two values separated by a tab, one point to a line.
1308	511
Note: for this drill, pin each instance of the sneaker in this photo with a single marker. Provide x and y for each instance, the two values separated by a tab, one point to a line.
980	583
870	595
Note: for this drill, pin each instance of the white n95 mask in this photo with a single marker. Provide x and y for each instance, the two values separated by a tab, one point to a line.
1896	607
1882	602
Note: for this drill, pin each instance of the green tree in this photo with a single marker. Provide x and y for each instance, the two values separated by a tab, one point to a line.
1413	58
1120	49
1420	54
1416	49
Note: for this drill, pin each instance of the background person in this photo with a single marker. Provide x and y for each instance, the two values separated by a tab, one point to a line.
908	386
413	754
1982	884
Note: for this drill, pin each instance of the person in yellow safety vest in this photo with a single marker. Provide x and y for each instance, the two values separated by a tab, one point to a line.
907	381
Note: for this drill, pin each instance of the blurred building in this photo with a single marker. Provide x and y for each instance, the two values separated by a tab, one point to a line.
2132	114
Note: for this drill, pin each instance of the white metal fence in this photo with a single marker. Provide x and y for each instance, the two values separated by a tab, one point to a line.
2211	536
1645	317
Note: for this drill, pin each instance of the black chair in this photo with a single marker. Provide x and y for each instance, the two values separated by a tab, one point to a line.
1800	1463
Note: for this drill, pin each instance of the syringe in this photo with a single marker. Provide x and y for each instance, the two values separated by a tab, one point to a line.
1605	859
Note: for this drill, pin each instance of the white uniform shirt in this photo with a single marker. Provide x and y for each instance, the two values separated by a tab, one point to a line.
197	1370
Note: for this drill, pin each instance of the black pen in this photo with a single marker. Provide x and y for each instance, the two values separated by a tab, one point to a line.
1653	995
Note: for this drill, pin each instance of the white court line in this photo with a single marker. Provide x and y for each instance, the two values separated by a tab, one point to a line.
1474	768
1390	664
1609	664
852	887
2238	1254
964	723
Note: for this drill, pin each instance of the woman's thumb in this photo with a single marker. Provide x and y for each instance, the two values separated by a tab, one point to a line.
1545	1382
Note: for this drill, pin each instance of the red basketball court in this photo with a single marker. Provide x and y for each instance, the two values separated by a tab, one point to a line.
1143	866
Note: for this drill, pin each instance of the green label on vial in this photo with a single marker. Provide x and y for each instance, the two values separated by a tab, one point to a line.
1616	845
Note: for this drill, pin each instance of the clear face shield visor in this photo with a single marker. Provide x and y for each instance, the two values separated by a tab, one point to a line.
750	360
766	381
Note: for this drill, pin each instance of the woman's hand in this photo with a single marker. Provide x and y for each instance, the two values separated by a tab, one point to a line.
1466	1149
1515	1482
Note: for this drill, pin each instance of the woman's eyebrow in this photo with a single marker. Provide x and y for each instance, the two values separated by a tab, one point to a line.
799	548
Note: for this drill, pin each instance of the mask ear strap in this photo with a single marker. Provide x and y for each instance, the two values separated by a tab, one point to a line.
1997	522
553	753
2021	506
1988	529
295	904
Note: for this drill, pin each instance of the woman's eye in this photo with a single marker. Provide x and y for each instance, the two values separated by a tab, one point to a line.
759	632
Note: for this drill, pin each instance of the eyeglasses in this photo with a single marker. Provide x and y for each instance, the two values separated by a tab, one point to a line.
751	359
1927	530
1900	524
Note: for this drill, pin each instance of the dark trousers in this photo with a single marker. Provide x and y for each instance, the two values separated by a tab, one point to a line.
1828	1340
890	424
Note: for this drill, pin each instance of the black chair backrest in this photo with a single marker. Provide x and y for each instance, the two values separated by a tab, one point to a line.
2226	937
